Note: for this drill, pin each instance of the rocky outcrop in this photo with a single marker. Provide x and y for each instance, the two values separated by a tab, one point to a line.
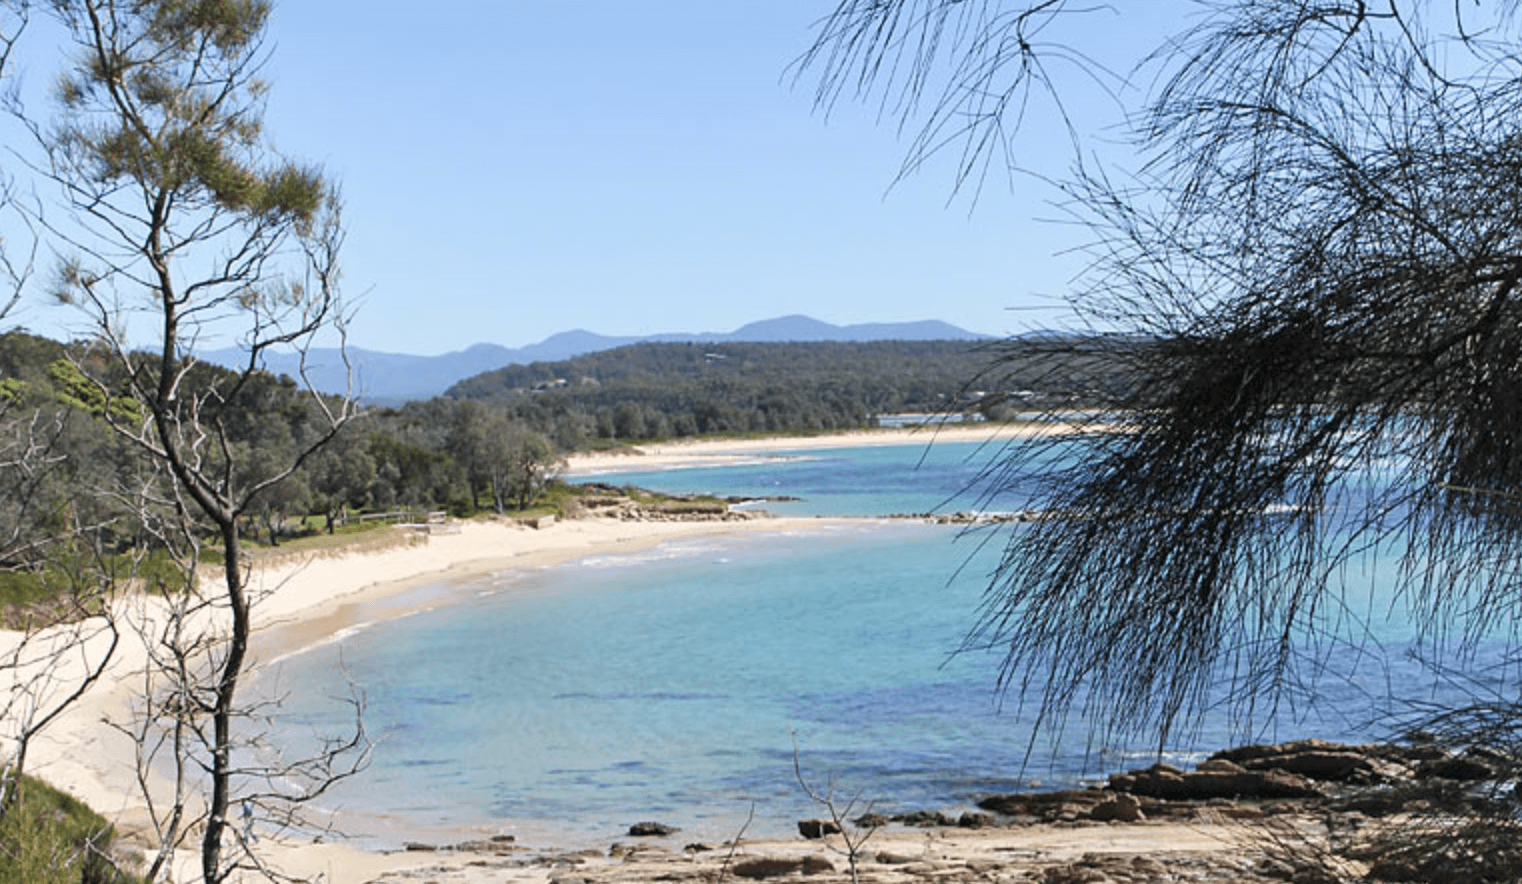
1047	807
1121	808
1251	782
777	866
1216	778
1323	761
817	828
975	518
627	509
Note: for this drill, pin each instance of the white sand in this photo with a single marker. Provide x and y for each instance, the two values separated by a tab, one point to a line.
724	452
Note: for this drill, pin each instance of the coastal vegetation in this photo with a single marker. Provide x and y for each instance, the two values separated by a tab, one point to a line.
653	391
55	839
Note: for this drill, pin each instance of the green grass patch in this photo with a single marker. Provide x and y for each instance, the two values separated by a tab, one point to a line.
71	584
49	837
321	539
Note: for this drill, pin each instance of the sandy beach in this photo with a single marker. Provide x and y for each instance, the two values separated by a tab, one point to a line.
306	598
302	599
722	452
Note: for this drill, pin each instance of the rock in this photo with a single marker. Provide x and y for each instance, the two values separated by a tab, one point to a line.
1046	806
893	859
1221	765
777	866
1323	761
494	844
651	830
765	867
1244	755
817	828
1241	812
1149	868
872	821
1279	870
1320	765
925	819
1074	875
1467	767
1121	808
970	820
1163	781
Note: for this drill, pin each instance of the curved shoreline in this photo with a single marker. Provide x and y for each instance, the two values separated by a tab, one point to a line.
302	600
308	598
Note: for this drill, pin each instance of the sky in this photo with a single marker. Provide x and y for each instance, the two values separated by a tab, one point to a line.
519	168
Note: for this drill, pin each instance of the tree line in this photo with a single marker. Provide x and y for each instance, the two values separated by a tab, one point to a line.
664	390
461	455
493	441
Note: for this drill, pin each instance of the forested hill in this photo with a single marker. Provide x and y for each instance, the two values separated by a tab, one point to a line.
494	439
681	389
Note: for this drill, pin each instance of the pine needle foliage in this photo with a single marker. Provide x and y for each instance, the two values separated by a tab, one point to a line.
1312	276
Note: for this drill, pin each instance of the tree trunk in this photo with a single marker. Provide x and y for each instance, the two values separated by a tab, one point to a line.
222	711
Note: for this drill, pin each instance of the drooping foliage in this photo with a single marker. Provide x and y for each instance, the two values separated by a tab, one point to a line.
1321	235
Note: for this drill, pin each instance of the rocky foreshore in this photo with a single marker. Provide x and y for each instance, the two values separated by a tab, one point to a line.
1310	811
608	502
1251	782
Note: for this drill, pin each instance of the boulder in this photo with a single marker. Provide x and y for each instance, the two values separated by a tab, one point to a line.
925	819
1322	761
1467	767
818	828
651	830
777	866
1169	783
1120	808
1043	805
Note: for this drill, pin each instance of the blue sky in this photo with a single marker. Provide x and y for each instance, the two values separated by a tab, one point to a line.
514	169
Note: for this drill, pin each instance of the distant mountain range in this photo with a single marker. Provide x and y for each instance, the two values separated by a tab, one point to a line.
391	378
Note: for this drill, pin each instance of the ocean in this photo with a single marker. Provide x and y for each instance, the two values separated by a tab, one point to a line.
690	684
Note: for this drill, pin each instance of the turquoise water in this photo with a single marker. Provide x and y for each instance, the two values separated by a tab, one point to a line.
563	704
871	481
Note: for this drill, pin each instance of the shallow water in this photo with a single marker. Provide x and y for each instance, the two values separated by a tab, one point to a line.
566	703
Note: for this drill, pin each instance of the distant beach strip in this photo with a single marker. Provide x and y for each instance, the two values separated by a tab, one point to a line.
720	452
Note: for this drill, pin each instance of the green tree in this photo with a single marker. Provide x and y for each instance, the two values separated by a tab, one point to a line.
527	465
498	454
340	477
173	206
475	441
